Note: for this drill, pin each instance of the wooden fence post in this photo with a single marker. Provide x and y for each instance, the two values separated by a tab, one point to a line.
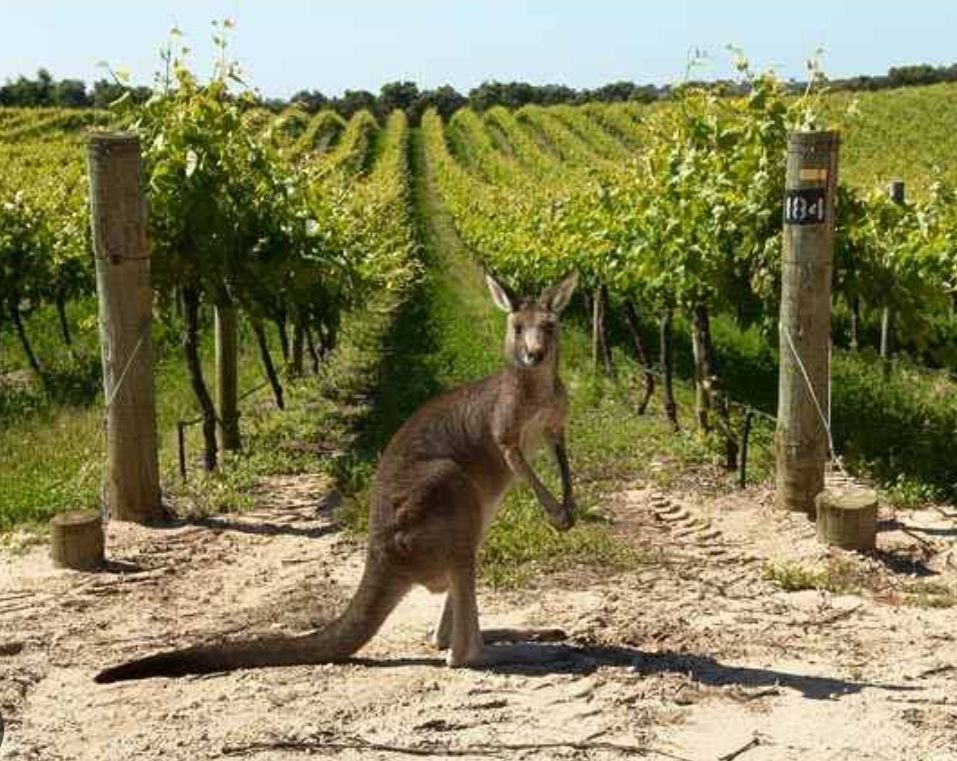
745	435
118	216
596	328
667	367
895	190
227	376
801	440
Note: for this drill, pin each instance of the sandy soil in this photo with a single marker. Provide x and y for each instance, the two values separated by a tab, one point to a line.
695	655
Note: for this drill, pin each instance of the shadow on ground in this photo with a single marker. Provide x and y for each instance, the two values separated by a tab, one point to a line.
537	659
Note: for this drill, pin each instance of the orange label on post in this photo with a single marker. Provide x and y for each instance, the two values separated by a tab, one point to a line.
818	174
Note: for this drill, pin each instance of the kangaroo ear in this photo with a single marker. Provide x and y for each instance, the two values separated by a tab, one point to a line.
502	297
556	297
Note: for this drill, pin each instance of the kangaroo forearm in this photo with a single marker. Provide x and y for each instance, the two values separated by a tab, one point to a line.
519	465
561	457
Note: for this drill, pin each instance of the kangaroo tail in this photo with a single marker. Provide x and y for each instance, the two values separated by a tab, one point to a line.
376	597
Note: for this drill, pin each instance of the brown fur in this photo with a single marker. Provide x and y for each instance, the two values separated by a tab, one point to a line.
437	488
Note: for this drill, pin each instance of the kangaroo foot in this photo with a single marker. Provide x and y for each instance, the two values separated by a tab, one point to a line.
442	639
510	655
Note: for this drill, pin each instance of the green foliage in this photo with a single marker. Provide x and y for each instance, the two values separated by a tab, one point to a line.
907	134
712	179
235	215
354	152
291	125
221	200
25	245
904	422
324	130
44	241
304	218
686	211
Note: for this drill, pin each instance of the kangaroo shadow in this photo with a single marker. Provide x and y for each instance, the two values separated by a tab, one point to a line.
264	528
902	563
117	565
892	524
538	659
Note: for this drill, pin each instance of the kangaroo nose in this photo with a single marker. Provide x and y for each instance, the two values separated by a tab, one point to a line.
535	356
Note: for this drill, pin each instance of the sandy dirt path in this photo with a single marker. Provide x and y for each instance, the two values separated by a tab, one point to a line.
694	655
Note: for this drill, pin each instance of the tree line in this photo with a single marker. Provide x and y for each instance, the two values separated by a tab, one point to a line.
44	90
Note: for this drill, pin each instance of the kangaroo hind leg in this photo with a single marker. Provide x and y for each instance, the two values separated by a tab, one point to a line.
467	648
442	636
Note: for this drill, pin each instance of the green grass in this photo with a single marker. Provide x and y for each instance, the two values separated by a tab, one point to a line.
925	593
836	577
847	574
52	441
51	452
898	428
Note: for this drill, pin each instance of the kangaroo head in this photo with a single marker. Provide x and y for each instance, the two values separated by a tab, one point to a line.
531	337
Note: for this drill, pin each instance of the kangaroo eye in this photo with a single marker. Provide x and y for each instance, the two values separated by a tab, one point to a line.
518	330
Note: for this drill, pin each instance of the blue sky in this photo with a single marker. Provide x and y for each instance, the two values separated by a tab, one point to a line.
287	45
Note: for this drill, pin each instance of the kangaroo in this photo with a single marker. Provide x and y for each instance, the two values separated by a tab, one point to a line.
438	486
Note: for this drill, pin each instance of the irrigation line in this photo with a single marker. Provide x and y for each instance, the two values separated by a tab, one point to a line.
749	411
181	426
690	386
126	368
825	419
248	393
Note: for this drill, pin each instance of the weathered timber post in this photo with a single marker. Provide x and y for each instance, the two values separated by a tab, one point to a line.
118	215
801	440
641	353
76	540
895	190
667	368
227	376
605	340
296	367
745	435
847	517
702	399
